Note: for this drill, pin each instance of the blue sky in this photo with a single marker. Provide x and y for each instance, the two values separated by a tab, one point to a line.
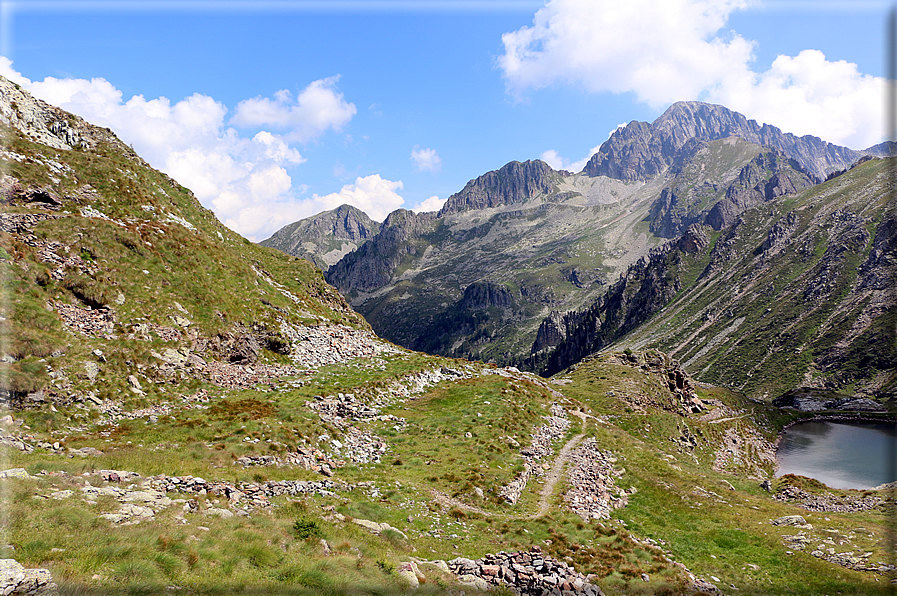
273	111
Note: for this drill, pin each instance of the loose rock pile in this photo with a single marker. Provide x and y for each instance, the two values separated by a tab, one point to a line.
828	501
235	376
593	494
556	427
96	322
15	580
249	495
314	347
529	573
307	458
826	549
19	223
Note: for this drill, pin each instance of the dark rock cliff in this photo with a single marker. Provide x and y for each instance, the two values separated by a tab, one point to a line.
371	266
645	288
485	295
640	151
515	182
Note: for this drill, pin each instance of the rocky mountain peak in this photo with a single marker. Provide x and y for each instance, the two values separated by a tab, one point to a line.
640	151
514	182
326	237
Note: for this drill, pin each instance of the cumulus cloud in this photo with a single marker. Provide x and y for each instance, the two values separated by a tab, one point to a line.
554	159
425	160
244	179
374	195
434	203
680	50
316	109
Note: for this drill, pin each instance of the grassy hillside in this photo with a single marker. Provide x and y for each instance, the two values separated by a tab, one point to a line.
796	293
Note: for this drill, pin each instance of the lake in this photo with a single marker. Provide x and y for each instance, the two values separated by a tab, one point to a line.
840	454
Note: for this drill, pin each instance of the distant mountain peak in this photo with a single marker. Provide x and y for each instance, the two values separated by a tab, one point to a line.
640	151
326	237
515	182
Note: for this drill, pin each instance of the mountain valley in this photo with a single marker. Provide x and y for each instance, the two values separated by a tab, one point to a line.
189	412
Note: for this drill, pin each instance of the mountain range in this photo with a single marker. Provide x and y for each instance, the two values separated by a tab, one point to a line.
524	257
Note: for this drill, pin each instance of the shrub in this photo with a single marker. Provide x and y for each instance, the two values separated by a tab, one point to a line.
305	528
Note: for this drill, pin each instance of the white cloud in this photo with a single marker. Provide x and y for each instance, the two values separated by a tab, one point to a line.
372	194
425	160
679	50
318	107
807	94
434	203
245	180
554	159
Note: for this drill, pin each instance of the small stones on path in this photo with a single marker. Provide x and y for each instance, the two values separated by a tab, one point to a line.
593	493
556	426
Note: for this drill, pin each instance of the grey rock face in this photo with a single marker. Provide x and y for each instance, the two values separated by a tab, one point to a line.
325	238
514	183
371	266
640	151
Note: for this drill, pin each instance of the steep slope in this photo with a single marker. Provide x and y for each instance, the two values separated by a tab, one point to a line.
326	237
101	252
712	182
794	294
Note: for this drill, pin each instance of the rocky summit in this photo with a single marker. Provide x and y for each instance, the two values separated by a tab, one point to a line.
325	238
185	411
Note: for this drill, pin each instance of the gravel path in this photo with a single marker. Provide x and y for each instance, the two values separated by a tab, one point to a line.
557	468
551	479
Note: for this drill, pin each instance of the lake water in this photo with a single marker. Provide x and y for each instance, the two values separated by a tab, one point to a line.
840	454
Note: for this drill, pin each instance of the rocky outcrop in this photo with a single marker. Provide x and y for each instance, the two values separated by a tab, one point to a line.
48	125
766	177
513	183
15	580
640	151
326	237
